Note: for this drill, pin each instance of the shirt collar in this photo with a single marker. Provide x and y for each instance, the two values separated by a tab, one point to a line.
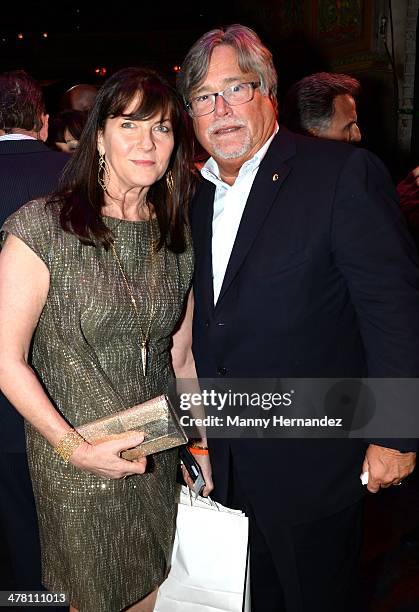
210	170
16	137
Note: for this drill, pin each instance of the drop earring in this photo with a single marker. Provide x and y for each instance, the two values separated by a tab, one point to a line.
103	174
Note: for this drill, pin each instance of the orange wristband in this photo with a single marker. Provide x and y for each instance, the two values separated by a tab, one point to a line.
196	450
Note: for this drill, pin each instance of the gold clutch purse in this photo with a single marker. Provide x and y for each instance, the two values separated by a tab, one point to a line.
156	418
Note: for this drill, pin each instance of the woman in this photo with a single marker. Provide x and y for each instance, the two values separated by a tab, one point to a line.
65	129
96	279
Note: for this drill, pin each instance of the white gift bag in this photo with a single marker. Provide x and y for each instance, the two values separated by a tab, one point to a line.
209	559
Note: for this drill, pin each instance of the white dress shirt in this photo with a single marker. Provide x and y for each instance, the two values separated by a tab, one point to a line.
229	204
16	137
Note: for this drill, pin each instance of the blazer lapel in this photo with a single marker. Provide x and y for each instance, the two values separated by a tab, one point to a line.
270	177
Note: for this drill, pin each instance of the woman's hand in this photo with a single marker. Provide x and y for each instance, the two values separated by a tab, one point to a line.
104	459
205	465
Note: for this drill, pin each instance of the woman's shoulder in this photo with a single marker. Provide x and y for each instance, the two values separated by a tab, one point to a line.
37	224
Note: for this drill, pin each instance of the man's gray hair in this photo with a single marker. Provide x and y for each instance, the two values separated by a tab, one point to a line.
309	103
252	56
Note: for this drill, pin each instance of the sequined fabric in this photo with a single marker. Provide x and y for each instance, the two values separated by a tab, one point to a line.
105	543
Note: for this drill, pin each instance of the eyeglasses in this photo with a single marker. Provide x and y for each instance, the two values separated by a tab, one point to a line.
234	95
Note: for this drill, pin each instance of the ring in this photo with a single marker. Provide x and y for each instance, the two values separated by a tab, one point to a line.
397	484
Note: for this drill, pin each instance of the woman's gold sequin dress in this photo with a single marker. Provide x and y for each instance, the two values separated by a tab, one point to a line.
106	543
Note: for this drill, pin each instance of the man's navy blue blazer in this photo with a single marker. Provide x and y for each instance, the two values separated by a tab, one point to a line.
323	281
28	170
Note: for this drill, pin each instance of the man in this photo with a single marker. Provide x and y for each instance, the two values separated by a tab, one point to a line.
302	262
28	169
323	104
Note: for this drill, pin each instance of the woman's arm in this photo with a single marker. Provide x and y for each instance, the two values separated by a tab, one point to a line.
182	357
24	286
187	381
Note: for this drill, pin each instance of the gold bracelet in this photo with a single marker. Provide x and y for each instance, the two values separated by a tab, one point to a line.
68	444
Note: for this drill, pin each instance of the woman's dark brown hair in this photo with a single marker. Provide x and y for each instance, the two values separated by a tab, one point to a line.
80	196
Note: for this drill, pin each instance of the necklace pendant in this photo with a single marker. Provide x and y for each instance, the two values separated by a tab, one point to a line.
144	341
144	350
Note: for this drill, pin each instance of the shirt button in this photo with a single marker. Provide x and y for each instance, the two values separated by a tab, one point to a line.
221	371
206	323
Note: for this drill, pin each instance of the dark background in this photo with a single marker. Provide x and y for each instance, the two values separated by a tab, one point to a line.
305	36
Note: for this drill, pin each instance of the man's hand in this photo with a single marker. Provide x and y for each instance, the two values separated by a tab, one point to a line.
386	466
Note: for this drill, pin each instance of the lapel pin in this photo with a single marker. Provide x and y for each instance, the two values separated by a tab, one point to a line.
275	177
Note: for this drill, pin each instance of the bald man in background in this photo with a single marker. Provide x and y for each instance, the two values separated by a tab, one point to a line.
79	97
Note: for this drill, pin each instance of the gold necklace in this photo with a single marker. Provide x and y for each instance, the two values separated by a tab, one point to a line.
145	338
